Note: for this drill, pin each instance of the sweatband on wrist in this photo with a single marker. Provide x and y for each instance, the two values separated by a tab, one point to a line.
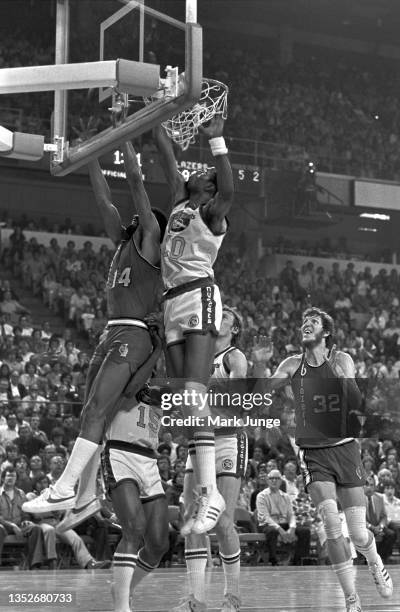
218	146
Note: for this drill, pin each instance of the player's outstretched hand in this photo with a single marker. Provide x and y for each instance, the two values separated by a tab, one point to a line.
215	128
86	130
262	350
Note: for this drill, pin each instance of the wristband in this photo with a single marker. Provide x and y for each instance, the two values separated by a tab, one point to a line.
218	146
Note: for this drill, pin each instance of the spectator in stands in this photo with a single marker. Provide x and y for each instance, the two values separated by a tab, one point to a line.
34	399
35	467
276	518
14	521
377	521
70	431
164	467
174	491
57	464
49	452
49	420
9	433
48	523
392	507
260	484
23	480
17	389
289	479
35	428
12	307
26	443
56	438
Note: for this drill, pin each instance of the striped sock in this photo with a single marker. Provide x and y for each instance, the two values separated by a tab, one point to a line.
205	458
345	573
196	562
369	550
231	565
142	569
123	571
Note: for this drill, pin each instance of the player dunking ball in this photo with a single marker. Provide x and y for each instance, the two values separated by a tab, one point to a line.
132	286
324	389
193	310
230	462
133	483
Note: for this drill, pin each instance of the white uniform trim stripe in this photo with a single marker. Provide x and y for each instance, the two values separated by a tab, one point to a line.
134	322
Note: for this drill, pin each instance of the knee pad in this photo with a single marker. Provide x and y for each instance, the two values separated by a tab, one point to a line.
356	524
331	519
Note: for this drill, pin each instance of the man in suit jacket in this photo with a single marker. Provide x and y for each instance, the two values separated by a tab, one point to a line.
377	520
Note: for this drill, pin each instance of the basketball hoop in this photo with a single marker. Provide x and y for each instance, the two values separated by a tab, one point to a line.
184	127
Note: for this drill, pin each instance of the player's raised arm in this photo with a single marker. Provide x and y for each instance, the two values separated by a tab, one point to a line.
175	180
220	205
284	372
109	213
141	201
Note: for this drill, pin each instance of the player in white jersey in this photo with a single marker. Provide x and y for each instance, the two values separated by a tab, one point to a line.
193	309
133	483
231	460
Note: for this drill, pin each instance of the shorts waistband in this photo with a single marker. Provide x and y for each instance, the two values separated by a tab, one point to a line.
226	431
130	447
127	321
190	286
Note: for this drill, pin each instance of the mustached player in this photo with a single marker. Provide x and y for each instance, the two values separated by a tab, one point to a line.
325	390
231	460
193	310
132	287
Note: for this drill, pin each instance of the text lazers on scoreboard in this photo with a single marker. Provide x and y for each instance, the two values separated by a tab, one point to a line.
248	179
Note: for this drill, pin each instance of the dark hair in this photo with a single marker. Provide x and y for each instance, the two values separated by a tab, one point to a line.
328	324
7	469
162	447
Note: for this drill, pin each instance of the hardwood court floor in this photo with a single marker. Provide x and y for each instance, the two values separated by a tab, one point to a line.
305	589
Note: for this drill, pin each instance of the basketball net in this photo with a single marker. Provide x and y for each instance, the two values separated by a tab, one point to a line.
184	127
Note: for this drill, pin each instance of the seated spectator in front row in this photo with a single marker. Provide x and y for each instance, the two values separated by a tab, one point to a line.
47	524
377	521
15	522
276	518
392	507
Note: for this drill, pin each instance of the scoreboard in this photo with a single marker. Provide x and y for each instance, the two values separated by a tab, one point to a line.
247	179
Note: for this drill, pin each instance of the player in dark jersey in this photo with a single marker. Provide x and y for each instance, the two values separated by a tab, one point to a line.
192	308
231	460
132	286
324	390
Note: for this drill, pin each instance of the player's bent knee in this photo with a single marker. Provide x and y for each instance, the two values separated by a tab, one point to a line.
331	519
225	527
357	525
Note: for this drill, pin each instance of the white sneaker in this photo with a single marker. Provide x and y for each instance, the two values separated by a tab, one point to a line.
190	604
231	603
383	581
49	501
353	603
211	506
187	527
76	516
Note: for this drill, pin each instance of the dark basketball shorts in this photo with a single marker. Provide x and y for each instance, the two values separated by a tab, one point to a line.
122	462
123	344
198	311
230	455
339	464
